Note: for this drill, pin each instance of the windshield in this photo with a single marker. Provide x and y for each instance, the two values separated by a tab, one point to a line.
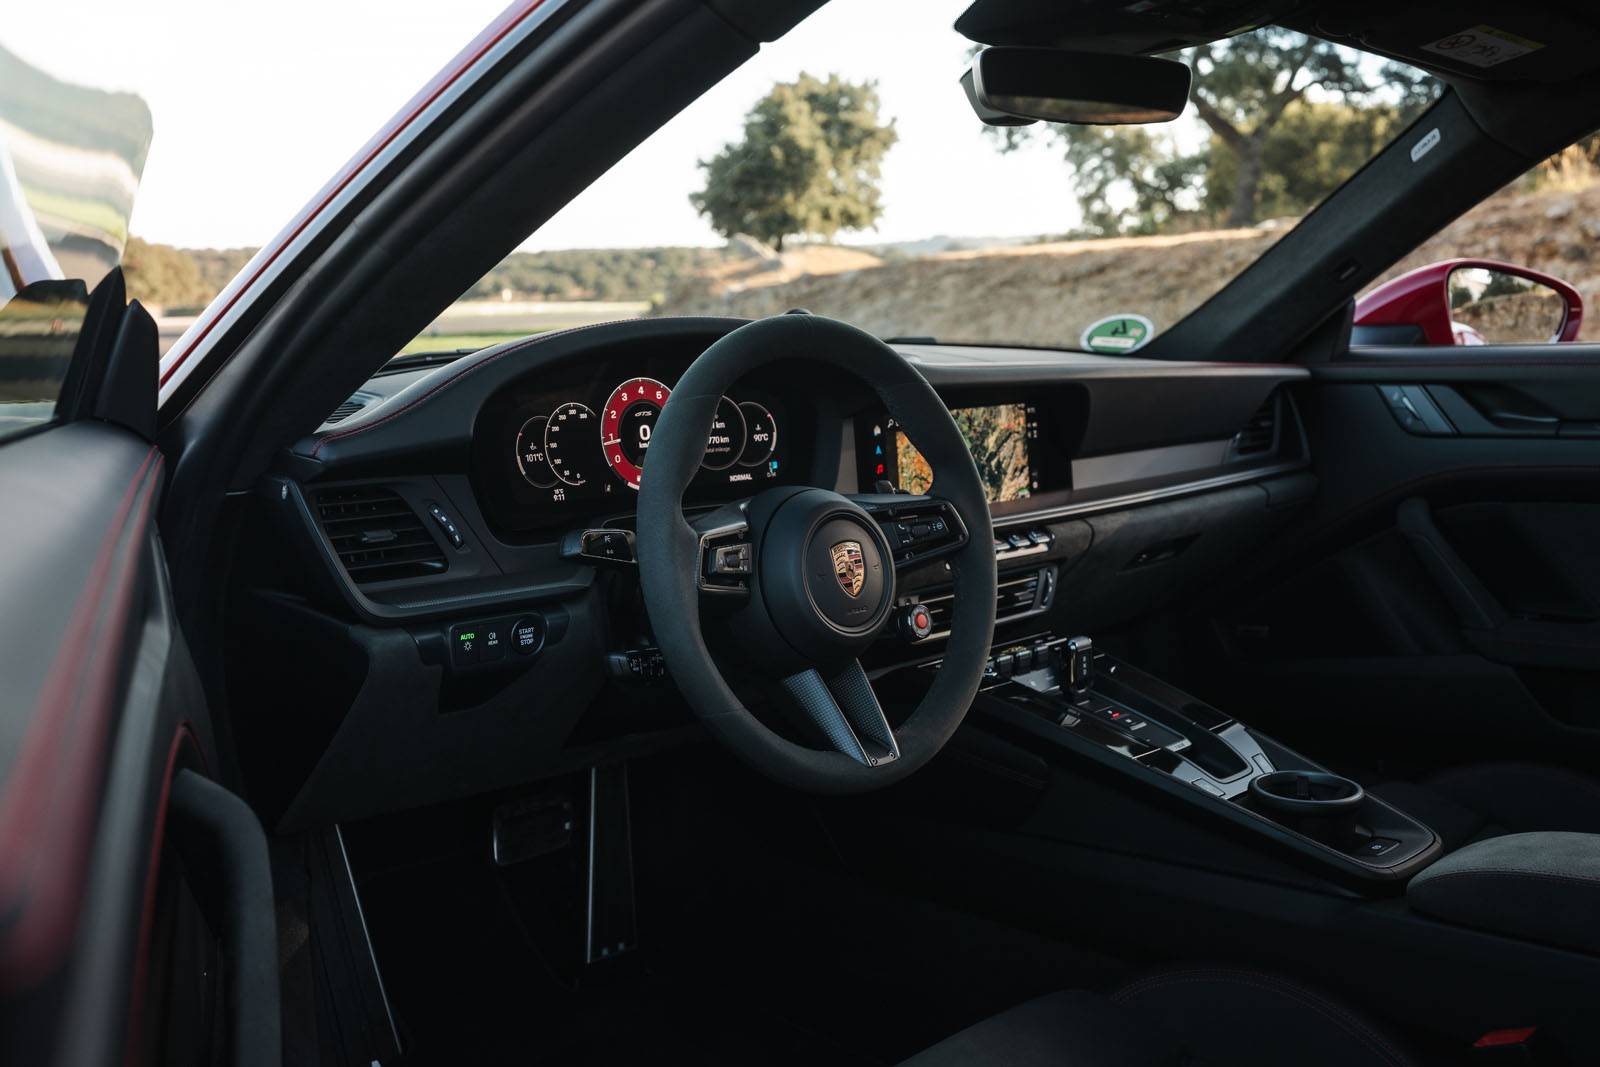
840	170
843	171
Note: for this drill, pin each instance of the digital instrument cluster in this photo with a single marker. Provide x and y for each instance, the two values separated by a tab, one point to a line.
574	445
545	456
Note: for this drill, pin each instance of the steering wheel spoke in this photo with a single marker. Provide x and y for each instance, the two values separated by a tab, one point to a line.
920	528
727	553
846	710
800	579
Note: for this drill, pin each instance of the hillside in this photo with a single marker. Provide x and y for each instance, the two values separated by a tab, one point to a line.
1046	294
186	279
1043	294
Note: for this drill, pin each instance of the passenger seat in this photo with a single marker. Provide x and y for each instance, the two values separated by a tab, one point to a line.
1204	1017
1467	804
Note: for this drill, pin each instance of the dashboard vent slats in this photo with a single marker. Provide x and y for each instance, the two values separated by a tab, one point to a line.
342	412
1260	435
1013	597
349	407
376	535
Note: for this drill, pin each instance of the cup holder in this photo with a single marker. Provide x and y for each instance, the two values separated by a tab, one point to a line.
1318	804
1306	792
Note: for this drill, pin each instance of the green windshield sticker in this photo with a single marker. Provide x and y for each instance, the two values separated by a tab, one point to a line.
1117	333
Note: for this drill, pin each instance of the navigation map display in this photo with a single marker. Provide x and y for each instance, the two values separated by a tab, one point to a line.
1002	438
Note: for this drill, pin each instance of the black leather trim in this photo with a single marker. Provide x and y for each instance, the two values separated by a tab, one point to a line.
79	503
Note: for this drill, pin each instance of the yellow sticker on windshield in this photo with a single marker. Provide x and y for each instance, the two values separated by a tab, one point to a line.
1482	46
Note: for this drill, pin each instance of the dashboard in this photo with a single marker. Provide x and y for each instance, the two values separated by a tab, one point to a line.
451	561
559	447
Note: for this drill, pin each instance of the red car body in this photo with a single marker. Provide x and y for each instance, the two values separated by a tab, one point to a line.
1421	298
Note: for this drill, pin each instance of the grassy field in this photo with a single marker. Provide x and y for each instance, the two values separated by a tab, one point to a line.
479	323
444	342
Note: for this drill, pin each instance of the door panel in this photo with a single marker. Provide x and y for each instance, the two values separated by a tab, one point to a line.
103	712
78	506
1443	602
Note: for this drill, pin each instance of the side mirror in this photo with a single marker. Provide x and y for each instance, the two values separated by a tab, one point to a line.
1469	302
1017	86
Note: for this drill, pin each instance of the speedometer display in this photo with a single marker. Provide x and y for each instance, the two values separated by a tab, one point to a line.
726	440
629	420
565	443
531	459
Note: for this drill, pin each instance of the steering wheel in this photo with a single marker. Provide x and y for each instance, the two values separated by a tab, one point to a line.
806	576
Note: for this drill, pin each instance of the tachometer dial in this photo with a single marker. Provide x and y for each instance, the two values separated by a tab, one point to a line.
760	436
629	420
726	439
531	459
568	448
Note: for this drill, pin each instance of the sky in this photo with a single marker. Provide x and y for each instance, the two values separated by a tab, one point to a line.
256	105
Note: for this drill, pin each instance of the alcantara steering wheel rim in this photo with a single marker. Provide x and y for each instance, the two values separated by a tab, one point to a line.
672	563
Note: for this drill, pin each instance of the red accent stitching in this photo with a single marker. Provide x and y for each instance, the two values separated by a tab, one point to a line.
34	804
184	733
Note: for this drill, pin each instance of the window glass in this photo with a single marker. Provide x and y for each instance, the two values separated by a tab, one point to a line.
70	160
251	114
842	170
1518	268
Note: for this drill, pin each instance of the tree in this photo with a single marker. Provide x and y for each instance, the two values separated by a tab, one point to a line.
162	275
1289	118
1310	152
1131	160
808	164
1245	85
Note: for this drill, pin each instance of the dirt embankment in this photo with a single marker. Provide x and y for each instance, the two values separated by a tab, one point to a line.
1046	294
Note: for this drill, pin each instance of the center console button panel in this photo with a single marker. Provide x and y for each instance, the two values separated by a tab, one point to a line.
1079	700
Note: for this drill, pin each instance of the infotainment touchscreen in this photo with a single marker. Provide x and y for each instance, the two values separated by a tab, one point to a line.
1003	439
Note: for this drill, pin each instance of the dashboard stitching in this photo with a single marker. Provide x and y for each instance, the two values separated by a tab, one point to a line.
451	380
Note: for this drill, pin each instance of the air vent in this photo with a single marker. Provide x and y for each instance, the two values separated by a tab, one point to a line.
1014	597
349	407
1260	435
377	535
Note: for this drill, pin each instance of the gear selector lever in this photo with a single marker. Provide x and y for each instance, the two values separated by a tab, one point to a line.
1075	668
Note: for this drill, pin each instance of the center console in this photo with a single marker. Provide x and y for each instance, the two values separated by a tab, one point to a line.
1066	692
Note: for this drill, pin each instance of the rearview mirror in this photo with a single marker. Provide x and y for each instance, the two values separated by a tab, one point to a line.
1016	86
1469	302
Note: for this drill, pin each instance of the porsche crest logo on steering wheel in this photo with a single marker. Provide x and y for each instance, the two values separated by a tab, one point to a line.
849	567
